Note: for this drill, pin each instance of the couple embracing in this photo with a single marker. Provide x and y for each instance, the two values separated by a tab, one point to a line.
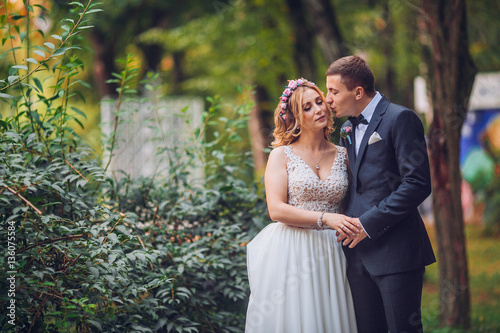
349	249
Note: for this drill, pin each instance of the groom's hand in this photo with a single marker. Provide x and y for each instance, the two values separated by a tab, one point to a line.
353	240
345	236
358	238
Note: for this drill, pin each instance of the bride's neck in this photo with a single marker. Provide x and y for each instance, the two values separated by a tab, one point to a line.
312	143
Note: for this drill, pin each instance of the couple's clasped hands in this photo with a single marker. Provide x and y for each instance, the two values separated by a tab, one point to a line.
349	229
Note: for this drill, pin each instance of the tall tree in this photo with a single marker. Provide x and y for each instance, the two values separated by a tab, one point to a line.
327	29
452	74
303	40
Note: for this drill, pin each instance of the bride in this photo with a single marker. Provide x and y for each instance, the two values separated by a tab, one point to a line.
296	268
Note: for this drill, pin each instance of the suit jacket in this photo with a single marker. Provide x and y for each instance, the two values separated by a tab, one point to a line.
390	179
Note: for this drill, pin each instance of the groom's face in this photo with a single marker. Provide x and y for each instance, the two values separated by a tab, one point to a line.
341	100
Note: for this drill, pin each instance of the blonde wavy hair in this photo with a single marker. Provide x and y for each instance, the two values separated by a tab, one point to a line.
288	130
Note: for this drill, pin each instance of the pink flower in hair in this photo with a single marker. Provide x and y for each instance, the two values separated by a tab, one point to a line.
292	85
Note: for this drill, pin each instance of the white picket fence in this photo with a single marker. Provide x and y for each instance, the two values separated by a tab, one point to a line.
144	130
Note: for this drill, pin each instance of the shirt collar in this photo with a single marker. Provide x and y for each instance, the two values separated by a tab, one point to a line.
370	108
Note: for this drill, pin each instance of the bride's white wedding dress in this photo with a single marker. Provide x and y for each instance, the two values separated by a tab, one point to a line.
297	276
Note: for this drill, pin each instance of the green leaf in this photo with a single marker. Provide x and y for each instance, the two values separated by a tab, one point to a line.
94	271
95	323
93	11
4	125
49	45
63	50
22	35
57	188
112	257
161	322
32	60
2	95
38	84
21	67
75	3
31	86
16	17
81	183
12	78
79	123
141	257
56	37
40	53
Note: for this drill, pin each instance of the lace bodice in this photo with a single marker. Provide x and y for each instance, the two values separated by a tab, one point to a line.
307	191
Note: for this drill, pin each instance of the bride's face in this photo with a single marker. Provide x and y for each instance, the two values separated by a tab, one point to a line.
314	110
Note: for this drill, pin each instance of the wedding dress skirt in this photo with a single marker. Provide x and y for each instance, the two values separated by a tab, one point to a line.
297	276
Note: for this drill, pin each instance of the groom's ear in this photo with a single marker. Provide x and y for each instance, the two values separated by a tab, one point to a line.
359	92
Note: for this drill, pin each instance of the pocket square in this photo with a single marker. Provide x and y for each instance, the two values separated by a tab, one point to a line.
374	138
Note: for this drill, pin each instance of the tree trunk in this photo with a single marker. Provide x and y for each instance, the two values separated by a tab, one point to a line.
103	64
327	30
303	41
388	49
178	71
257	135
451	82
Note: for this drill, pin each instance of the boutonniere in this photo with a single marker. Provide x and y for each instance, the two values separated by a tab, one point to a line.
345	133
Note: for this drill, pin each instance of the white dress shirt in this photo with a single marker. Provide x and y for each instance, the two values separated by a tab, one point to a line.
361	128
367	113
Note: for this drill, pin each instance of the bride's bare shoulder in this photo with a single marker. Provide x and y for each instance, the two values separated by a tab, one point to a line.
278	156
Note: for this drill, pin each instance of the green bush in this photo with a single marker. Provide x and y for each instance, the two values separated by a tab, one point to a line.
91	252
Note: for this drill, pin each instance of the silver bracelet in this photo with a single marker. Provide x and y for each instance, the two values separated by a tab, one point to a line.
320	220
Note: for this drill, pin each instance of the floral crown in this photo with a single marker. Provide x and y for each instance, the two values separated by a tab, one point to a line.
292	85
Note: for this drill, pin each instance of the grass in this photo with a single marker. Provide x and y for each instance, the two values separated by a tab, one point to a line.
484	278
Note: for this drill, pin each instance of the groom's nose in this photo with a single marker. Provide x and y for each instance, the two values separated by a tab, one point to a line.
329	100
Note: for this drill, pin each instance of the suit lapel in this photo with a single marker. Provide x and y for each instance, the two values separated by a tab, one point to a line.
372	126
351	150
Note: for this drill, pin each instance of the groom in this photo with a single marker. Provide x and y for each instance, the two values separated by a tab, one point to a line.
390	177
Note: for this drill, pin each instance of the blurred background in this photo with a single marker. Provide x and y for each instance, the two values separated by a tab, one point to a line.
197	49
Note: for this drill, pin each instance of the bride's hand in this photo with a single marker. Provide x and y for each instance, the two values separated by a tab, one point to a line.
342	224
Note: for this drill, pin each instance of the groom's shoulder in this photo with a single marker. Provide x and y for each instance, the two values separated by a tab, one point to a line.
394	110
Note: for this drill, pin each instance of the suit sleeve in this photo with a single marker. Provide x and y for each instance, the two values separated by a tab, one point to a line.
412	182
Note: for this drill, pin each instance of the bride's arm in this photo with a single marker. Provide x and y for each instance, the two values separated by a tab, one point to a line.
276	185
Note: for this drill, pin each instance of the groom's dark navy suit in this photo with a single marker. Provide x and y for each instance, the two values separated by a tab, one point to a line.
390	178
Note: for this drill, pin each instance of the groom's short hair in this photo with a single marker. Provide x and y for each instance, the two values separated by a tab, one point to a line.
354	72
